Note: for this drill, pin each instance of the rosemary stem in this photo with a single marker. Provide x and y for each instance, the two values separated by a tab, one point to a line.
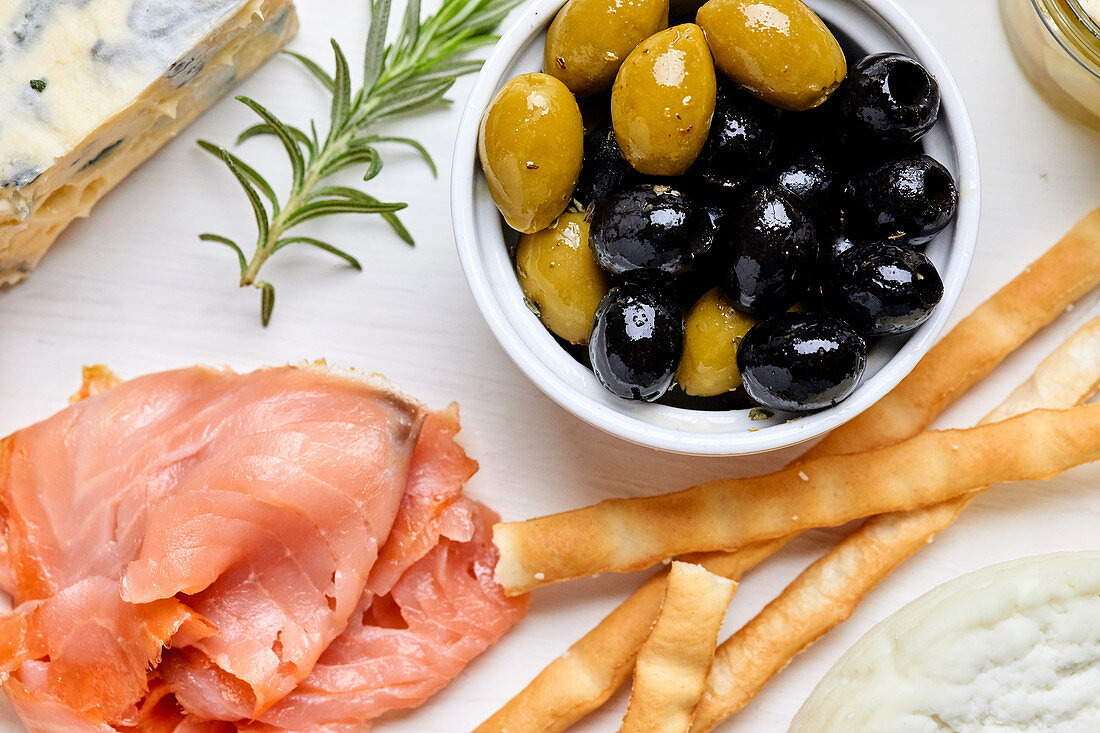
297	199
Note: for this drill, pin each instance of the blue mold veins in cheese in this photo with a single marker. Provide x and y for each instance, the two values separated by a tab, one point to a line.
91	88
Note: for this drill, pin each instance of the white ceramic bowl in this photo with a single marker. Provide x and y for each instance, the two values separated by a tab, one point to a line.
876	25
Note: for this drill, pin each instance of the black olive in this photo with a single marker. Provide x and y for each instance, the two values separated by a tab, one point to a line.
605	171
595	110
888	99
719	197
913	196
692	285
813	178
837	241
883	288
743	133
800	362
727	186
774	253
700	277
637	339
650	227
719	216
815	127
835	246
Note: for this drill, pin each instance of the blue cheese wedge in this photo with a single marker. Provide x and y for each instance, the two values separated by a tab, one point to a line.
91	88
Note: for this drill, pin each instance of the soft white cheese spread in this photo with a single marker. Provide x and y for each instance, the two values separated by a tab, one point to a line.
1011	648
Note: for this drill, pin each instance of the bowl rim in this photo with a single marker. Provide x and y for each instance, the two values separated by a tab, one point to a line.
574	398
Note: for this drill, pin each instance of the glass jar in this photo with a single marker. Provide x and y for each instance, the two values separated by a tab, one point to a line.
1057	43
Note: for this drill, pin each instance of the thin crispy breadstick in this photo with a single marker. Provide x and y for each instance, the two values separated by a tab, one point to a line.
629	534
829	590
978	343
1069	376
823	596
674	659
582	679
595	666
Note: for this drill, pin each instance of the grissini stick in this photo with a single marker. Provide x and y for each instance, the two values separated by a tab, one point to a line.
596	665
964	356
827	592
620	535
673	662
582	679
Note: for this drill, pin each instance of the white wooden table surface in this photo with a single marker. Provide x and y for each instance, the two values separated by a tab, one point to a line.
133	288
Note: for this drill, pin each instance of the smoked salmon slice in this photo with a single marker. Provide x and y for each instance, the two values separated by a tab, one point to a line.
443	611
288	549
430	508
86	628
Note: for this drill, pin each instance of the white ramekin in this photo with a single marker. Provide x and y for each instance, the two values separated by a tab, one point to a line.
876	25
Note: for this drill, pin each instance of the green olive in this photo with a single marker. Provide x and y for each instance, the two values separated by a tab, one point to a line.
589	39
663	100
712	331
778	50
530	145
560	277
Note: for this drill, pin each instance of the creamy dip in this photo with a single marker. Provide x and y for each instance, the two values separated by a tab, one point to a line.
1014	647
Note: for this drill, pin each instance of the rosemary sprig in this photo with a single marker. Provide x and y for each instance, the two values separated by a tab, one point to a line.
408	75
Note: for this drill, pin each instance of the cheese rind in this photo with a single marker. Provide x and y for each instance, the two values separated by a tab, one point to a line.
1014	647
113	81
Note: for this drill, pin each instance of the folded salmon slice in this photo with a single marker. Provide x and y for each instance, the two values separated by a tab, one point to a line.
83	631
430	508
443	611
281	531
430	607
266	495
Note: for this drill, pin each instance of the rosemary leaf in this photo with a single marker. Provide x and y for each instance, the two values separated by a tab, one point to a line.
279	130
320	245
354	157
228	243
263	225
341	95
267	301
253	176
415	146
314	68
399	228
327	207
265	129
376	43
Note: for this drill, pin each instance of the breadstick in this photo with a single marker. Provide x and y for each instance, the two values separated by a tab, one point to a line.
829	590
582	679
629	534
1069	376
672	666
978	343
595	666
